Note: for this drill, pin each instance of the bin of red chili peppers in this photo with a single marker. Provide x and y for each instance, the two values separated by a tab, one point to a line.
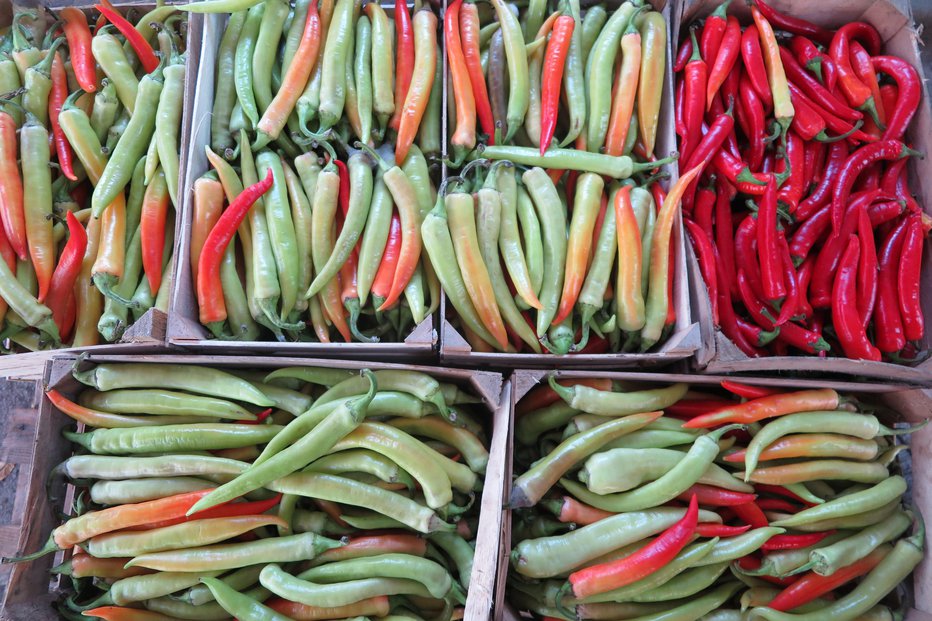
654	497
326	255
91	117
808	222
568	244
302	489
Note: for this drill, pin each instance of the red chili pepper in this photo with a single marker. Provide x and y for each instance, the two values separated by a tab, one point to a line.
779	490
749	563
808	55
812	121
678	109
713	529
885	211
152	230
78	34
655	555
710	495
791	192
729	321
469	34
867	268
767	249
794	25
725	58
683	54
909	93
57	96
811	585
891	175
707	147
753	59
552	79
404	60
11	188
889	94
139	44
688	408
383	277
814	89
750	513
813	161
756	335
61	287
737	173
854	90
864	70
795	542
837	155
746	254
706	255
227	509
713	31
748	391
803	277
694	79
753	109
209	290
850	332
888	322
856	163
702	211
343	196
777	504
908	280
724	233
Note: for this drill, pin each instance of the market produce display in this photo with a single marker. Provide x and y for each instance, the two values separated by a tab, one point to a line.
304	493
807	235
338	109
89	167
583	241
675	502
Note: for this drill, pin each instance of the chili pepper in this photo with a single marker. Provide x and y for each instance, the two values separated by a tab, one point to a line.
794	542
658	298
464	135
470	35
706	254
908	93
809	56
142	48
809	123
855	91
908	281
573	70
373	606
37	200
885	211
57	96
737	173
497	86
782	105
79	47
517	61
794	25
570	510
461	215
601	578
713	31
725	58
819	93
66	272
404	59
695	80
720	530
828	560
711	142
554	64
152	229
856	163
653	61
888	325
108	52
747	391
768	407
768	254
415	103
715	496
239	604
751	514
11	189
381	284
754	66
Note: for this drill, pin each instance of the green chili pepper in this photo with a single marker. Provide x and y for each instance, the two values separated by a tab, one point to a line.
243	77
108	52
163	403
239	605
592	25
573	76
365	461
374	236
270	32
733	548
826	560
608	403
235	555
240	580
295	30
168	124
211	611
618	167
331	595
875	497
362	72
199	437
314	444
592	295
150	586
105	467
599	66
323	376
432	575
239	316
136	490
383	67
38	83
360	200
301	216
128	151
552	215
281	230
333	65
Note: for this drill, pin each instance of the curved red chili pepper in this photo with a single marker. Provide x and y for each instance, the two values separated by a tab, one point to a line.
469	34
61	287
142	47
867	268
864	70
678	109
713	529
750	513
712	496
725	58
79	37
746	253
809	341
753	109
748	391
909	93
261	416
856	163
688	408
757	335
791	192
694	79
803	276
382	284
57	96
812	585
209	290
738	174
889	93
790	305
227	509
837	155
885	211
854	90
707	147
724	235
794	25
683	54
404	59
808	55
808	234
777	504
888	322
848	328
794	542
908	280
713	30
702	211
729	321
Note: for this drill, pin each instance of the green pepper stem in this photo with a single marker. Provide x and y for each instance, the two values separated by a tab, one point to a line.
372	153
645	166
887	431
823	137
49	547
564	392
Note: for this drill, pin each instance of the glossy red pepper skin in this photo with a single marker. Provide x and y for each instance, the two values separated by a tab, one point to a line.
683	54
885	211
856	163
139	44
679	109
908	280
793	25
702	212
79	37
888	322
864	70
725	58
753	109
404	59
707	147
808	55
750	513
738	174
909	93
792	191
855	91
794	542
725	236
837	125
814	89
810	232
803	276
695	78
61	287
813	163
753	59
867	268
709	495
889	94
557	48
746	253
713	31
469	33
57	96
767	248
721	530
748	391
790	305
705	253
777	504
848	328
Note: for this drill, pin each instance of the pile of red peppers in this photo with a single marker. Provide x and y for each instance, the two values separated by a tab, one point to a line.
808	239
